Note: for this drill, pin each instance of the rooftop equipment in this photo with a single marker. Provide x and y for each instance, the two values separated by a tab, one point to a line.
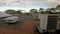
49	22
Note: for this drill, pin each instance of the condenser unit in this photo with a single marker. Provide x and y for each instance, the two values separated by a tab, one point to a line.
49	22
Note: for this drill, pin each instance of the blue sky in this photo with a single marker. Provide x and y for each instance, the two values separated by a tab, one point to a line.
27	4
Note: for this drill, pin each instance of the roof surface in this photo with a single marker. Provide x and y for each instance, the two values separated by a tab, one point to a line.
2	14
12	18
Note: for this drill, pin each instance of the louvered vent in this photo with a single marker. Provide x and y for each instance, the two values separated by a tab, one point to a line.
52	22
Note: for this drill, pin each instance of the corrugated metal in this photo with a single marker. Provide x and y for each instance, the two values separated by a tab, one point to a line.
12	18
2	14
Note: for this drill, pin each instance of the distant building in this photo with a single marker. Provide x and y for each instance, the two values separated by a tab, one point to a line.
26	14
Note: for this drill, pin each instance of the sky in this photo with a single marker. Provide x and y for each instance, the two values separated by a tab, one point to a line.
27	4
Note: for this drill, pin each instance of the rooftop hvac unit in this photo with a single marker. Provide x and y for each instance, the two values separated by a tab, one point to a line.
49	22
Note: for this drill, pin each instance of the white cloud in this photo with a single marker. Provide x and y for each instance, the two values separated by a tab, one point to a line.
29	3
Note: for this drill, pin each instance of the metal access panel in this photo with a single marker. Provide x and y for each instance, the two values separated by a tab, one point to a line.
58	25
52	22
43	22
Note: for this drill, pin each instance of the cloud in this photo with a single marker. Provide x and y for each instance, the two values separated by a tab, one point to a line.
51	0
30	3
54	1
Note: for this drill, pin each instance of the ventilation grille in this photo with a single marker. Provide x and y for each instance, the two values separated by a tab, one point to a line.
52	22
